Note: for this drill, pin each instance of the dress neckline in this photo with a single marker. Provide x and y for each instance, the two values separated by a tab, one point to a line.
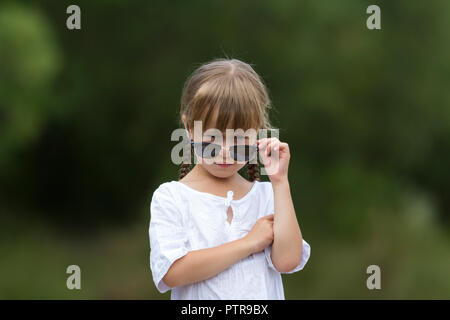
219	197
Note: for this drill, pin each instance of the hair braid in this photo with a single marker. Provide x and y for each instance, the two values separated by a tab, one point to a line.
253	172
184	170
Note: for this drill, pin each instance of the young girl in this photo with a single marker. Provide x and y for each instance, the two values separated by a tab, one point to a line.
214	234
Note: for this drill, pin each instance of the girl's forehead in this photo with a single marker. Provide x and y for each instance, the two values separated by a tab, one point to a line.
233	133
212	125
226	119
212	132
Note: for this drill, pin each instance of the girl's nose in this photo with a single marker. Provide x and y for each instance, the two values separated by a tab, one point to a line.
225	155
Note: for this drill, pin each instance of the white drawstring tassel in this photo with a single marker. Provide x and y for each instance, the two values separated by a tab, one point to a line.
229	198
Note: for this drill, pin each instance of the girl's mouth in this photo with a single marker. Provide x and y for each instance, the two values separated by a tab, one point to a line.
224	165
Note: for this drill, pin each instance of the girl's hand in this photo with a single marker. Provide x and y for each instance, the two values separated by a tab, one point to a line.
261	235
275	157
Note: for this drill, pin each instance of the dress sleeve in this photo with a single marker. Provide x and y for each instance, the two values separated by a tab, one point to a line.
306	252
168	237
306	248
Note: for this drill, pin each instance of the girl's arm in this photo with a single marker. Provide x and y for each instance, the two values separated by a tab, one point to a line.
198	265
288	241
202	264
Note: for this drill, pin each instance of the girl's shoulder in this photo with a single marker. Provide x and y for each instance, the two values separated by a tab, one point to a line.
265	188
166	199
166	189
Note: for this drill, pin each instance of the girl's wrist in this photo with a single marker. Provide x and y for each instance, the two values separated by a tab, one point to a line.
247	245
280	182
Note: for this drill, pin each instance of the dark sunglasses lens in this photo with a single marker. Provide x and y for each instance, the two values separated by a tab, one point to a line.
243	152
207	150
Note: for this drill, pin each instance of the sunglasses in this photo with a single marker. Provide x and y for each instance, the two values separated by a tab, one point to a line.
208	150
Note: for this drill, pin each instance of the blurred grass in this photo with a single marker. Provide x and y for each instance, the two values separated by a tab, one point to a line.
407	243
114	264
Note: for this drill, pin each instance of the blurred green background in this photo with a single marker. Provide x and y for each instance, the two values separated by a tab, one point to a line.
86	117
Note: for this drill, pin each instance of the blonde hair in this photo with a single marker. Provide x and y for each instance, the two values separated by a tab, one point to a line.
234	90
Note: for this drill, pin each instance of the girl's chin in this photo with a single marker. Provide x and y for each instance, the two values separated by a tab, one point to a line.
223	170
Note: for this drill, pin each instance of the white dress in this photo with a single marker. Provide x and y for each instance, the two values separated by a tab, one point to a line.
184	219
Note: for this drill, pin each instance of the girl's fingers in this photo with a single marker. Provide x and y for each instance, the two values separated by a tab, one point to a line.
262	145
269	217
284	149
262	142
268	148
271	149
272	146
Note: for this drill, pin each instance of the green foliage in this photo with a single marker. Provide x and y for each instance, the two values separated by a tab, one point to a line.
29	60
86	118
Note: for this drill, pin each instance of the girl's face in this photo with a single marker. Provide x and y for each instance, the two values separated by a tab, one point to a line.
223	165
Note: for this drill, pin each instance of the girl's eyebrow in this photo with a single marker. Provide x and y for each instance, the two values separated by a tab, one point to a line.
223	135
236	137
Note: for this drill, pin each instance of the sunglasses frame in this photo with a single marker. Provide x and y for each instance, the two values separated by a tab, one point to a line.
193	144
